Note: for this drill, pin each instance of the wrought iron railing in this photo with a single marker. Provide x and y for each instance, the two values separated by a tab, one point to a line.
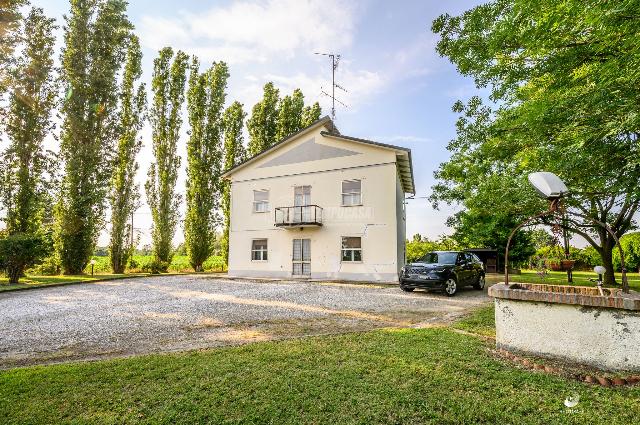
307	215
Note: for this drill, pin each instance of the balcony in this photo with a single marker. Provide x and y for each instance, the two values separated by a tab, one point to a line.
305	216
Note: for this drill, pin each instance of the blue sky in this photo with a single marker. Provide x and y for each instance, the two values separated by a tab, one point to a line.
400	90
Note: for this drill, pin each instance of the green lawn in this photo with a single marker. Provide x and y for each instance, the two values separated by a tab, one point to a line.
39	281
481	322
390	376
579	278
102	271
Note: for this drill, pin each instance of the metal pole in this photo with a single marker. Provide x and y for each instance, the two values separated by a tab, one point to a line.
552	209
333	87
567	252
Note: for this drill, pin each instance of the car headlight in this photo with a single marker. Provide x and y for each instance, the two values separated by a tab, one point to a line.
440	270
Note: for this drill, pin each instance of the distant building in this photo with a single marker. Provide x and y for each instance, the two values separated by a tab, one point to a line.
320	205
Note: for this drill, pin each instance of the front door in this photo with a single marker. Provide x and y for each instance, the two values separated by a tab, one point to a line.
301	200
302	257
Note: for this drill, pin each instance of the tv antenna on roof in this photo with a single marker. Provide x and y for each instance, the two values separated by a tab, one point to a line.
335	59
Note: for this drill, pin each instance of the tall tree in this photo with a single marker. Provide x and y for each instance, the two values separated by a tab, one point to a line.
263	123
124	191
290	114
310	114
168	85
28	122
565	81
205	102
234	153
10	20
95	44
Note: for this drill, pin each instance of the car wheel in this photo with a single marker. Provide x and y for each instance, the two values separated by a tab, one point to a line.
405	289
450	287
480	283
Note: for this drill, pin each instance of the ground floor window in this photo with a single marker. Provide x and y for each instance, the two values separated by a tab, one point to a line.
351	249
259	250
301	257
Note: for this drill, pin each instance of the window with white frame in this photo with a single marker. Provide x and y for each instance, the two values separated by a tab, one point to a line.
351	193
351	249
259	250
260	201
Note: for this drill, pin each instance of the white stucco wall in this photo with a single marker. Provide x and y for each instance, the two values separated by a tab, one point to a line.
602	337
376	221
401	224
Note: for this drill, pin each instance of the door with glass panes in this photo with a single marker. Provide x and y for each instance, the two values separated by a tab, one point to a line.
302	257
301	202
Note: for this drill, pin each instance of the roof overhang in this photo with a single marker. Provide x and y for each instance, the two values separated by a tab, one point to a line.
403	159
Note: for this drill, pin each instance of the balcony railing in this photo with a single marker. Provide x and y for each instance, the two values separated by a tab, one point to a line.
304	216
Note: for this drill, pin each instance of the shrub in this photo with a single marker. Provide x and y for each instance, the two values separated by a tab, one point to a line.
20	251
155	266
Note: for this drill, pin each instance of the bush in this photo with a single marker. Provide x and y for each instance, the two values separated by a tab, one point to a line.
630	244
20	251
133	264
155	266
214	264
50	266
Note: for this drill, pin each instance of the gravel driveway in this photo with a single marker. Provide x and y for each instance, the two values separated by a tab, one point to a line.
172	313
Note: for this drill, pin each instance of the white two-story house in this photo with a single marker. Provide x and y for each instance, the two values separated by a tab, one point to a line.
320	205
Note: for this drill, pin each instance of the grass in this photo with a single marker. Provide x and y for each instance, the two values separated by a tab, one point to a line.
580	278
390	376
40	281
481	321
102	271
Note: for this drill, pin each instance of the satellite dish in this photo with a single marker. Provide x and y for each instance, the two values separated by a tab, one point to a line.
548	185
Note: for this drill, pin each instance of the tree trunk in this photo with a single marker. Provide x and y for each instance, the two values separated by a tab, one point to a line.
607	261
14	272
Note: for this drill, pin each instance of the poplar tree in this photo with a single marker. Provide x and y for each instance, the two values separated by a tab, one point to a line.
28	121
95	43
290	115
10	20
310	114
234	153
263	123
205	102
124	191
168	85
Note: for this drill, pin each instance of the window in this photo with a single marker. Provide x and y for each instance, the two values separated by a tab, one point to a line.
439	258
301	196
260	201
259	250
351	193
351	249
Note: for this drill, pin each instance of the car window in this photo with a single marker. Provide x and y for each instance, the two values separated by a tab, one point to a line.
476	258
439	258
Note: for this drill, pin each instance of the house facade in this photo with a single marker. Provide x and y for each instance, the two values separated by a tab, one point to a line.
320	205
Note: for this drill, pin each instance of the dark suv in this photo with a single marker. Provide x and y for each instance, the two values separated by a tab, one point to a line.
445	270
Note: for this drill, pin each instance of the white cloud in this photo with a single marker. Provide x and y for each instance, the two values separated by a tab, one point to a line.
246	31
